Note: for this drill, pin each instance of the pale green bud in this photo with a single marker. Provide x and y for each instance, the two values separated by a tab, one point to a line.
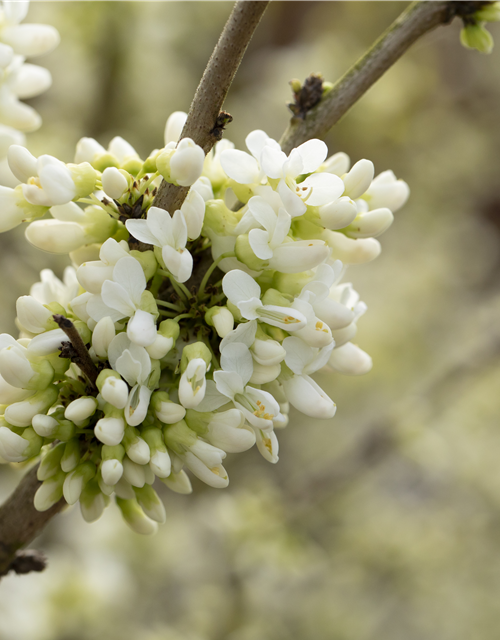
178	482
92	502
51	462
195	350
198	420
50	492
296	85
136	448
65	431
135	517
245	254
219	218
147	261
274	297
76	481
133	473
99	225
84	176
179	437
291	283
149	165
165	410
221	319
81	409
20	414
151	504
71	456
475	36
163	163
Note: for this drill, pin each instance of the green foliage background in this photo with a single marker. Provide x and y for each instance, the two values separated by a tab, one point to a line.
383	522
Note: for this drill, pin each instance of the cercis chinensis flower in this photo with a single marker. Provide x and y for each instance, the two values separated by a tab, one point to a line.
20	80
193	362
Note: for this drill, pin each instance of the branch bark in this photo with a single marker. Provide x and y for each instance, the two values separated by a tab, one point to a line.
202	124
414	22
20	523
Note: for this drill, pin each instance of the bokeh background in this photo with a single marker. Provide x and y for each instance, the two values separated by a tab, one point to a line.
385	521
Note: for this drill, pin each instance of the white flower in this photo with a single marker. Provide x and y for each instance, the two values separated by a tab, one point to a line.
133	363
114	182
12	446
168	233
174	126
32	315
193	212
92	274
328	303
350	360
103	334
115	391
242	290
358	179
227	431
49	181
267	444
26	39
51	289
259	407
205	461
301	390
192	384
387	191
186	163
121	298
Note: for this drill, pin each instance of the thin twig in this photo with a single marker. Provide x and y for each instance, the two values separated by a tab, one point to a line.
414	22
20	523
204	124
82	356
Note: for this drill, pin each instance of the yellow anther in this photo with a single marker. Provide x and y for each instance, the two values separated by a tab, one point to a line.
215	471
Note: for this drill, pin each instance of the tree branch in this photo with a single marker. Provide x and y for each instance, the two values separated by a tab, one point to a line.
414	22
20	523
80	354
203	124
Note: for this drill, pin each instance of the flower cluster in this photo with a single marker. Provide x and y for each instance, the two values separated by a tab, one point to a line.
20	80
179	337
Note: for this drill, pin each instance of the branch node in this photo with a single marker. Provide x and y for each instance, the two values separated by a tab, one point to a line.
306	96
76	349
28	561
223	119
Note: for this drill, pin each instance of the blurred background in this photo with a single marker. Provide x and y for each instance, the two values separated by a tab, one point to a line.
385	521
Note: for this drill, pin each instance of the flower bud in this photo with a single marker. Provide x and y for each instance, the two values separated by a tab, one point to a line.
84	177
165	410
12	446
135	517
262	374
174	126
160	460
227	431
114	182
134	473
136	448
92	502
44	425
150	503
20	414
71	456
387	191
350	360
358	179
178	482
15	367
55	236
51	462
76	481
102	335
350	250
337	164
80	409
110	430
186	163
221	319
50	492
113	389
33	315
338	214
370	224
